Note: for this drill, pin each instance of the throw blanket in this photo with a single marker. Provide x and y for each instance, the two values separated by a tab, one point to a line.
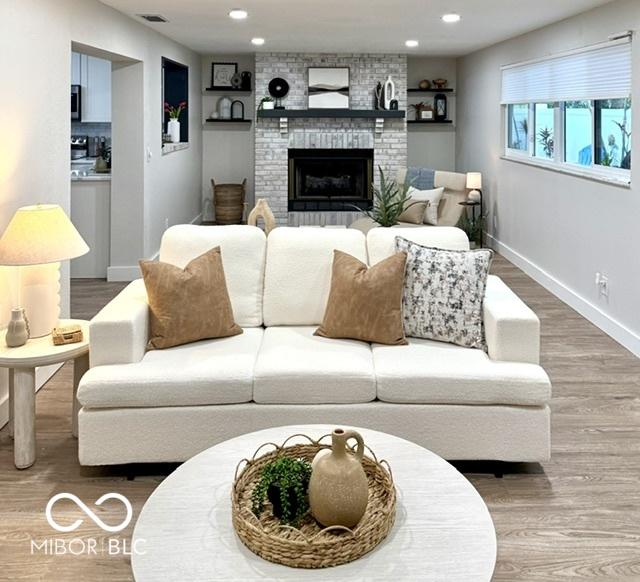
421	178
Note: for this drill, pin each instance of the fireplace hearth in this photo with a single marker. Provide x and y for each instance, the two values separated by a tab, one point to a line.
330	179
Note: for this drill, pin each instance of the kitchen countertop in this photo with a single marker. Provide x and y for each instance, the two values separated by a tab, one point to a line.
82	171
89	177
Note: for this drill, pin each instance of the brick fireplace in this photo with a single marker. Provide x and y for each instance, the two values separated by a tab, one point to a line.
274	146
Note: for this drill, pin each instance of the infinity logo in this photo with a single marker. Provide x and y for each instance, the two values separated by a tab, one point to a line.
76	524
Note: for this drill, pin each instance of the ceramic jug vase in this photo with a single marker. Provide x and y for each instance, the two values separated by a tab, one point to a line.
338	489
17	330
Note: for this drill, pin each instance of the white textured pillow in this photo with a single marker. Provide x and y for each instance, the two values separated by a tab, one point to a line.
432	198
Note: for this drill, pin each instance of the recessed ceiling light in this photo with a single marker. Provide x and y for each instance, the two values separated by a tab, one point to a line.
257	41
453	17
238	14
411	43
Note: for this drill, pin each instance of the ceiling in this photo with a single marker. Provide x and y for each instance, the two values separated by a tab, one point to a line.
350	25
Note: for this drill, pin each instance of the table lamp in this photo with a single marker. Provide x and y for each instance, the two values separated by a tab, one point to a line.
474	183
36	240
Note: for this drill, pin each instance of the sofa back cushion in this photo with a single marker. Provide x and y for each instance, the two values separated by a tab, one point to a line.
381	241
298	271
243	251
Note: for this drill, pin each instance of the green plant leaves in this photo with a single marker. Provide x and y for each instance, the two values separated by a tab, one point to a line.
292	477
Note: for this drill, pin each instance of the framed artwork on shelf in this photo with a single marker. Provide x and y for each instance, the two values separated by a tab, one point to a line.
328	87
222	73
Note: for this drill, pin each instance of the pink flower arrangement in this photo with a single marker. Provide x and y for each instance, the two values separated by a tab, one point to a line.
174	112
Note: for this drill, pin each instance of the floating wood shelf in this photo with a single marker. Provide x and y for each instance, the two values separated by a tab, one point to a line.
227	90
228	120
417	90
342	113
429	121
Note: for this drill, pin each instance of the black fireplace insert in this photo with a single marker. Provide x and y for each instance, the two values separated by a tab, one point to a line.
330	179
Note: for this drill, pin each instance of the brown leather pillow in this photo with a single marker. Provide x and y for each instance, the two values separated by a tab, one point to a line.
190	304
365	303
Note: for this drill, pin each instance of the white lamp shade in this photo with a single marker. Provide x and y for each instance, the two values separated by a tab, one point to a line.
474	180
40	234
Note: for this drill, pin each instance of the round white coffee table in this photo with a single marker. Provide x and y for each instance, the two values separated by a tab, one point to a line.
443	531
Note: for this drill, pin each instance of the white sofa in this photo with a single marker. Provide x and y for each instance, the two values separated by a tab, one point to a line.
168	405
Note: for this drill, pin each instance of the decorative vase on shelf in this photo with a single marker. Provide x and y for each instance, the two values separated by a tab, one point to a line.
224	107
17	330
338	489
389	92
173	129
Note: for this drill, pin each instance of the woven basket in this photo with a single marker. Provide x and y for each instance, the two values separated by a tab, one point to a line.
311	546
229	202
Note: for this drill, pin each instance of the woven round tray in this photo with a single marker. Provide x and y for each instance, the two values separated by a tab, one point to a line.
310	545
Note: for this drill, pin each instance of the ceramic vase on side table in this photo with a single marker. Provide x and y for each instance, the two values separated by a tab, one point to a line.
339	489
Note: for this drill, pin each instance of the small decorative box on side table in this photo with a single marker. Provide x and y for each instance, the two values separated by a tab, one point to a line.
22	363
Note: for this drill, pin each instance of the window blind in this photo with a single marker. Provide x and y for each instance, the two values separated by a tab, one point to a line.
598	72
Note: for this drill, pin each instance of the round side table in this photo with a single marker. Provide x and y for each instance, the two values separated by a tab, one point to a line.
22	363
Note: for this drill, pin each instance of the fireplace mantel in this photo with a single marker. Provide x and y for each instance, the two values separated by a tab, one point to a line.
332	113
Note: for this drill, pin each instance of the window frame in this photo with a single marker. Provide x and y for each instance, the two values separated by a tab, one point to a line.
616	176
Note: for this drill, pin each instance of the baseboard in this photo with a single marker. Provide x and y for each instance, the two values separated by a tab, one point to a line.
132	272
588	310
43	374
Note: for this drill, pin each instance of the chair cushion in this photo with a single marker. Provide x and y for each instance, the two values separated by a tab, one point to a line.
430	372
296	367
381	242
243	251
298	271
216	371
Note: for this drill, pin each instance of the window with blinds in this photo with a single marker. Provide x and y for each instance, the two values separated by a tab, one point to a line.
572	110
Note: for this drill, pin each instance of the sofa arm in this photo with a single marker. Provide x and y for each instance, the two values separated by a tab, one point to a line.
119	333
512	330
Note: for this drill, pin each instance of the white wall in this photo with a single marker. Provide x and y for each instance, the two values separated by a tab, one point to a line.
227	149
560	229
35	57
432	146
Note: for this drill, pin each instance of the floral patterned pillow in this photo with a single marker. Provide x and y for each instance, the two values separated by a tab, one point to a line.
443	293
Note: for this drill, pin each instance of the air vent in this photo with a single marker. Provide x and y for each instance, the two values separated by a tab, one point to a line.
153	17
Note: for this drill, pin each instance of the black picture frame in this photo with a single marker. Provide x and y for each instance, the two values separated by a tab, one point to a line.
234	108
222	77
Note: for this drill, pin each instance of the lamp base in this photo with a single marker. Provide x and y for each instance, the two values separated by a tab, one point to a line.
41	297
474	196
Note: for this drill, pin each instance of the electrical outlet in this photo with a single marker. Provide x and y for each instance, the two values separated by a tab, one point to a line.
602	283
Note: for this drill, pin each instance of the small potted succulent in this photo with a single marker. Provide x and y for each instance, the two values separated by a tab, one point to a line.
285	483
267	103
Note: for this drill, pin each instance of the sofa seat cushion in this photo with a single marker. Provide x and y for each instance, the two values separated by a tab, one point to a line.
218	371
431	372
296	367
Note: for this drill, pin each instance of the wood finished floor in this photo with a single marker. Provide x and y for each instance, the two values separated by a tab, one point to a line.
575	517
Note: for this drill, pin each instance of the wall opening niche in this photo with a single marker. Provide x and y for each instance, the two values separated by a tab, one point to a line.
175	95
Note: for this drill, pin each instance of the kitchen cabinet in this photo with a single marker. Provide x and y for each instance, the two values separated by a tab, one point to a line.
91	215
95	80
75	69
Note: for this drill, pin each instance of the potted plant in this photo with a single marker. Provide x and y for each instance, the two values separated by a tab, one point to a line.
473	227
389	201
173	126
266	103
285	483
423	110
